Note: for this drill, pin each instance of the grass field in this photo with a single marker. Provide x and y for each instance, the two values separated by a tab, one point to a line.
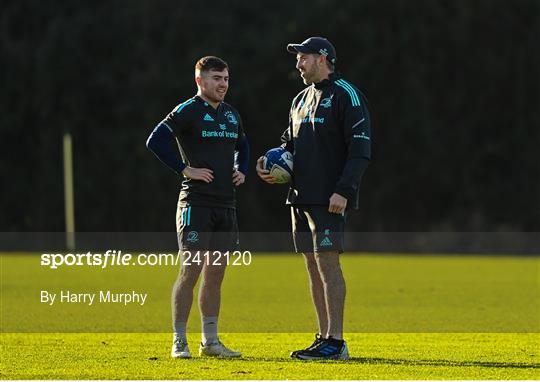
375	356
408	317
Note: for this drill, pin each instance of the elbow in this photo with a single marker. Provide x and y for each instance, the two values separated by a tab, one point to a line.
246	150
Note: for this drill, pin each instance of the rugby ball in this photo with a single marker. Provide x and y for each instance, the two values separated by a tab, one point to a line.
280	164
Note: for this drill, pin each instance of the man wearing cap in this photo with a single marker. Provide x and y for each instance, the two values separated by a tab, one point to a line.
329	136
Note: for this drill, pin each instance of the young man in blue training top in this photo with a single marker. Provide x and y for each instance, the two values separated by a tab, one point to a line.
209	132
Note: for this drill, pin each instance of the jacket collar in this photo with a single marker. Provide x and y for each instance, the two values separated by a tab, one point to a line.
327	82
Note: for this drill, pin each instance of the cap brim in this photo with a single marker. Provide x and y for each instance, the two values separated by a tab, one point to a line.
298	48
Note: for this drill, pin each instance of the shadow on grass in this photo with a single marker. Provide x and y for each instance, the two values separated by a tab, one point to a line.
443	362
408	362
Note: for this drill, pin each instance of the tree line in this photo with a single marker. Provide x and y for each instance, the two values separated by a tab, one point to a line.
453	89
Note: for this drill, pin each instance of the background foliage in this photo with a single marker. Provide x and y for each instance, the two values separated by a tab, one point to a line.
453	90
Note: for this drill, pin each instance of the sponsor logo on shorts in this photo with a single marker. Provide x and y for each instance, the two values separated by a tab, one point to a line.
193	236
326	242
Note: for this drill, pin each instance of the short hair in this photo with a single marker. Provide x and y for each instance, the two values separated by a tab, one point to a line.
330	65
208	63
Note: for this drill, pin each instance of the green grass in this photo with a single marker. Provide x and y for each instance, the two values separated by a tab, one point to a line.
375	356
407	317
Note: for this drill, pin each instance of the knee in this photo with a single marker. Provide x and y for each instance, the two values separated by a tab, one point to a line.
329	268
187	278
333	280
213	276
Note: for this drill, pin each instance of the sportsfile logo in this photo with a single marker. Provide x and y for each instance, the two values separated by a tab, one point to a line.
111	258
108	258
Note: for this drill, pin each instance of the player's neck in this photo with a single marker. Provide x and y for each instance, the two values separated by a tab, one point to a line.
214	104
324	75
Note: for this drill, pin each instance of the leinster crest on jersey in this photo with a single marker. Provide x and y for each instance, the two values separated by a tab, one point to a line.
326	103
231	117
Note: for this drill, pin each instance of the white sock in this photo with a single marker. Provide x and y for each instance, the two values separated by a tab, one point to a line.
209	330
180	331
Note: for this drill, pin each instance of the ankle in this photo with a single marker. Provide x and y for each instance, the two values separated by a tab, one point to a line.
337	339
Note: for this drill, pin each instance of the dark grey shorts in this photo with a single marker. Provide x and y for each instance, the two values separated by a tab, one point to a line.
207	228
317	230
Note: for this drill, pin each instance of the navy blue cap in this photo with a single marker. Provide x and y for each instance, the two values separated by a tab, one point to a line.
315	45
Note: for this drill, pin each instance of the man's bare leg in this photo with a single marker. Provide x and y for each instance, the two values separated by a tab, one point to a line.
210	299
317	293
334	292
209	304
182	295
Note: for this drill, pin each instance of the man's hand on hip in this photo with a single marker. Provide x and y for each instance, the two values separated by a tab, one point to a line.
337	204
203	174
